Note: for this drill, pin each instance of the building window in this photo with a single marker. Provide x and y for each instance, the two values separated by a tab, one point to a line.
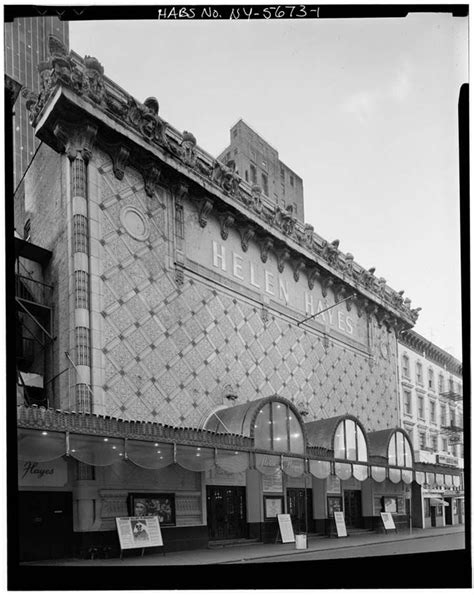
292	181
282	174
234	132
277	428
81	289
406	366
432	412
82	346
265	184
421	407
452	416
430	379
246	175
434	443
445	444
443	415
264	164
349	442
407	401
399	451
419	373
80	234
253	174
440	384
422	436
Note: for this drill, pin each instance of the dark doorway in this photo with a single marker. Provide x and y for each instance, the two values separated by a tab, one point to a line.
449	511
226	512
433	515
353	508
45	525
299	510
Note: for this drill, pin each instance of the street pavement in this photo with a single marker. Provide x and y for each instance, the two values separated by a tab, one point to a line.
275	552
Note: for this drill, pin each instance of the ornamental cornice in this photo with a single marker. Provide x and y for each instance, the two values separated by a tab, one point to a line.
134	133
430	351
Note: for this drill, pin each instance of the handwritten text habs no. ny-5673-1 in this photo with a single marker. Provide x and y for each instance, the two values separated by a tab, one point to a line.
297	11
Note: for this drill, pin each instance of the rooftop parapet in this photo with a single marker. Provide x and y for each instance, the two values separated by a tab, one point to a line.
85	78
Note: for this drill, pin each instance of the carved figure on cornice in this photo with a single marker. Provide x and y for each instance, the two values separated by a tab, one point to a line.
257	204
117	107
407	303
61	62
284	219
188	149
397	298
367	278
330	252
94	79
145	118
231	181
45	73
382	286
32	103
349	264
416	312
306	237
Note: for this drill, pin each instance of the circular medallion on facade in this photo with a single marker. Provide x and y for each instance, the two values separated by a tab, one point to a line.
134	223
384	350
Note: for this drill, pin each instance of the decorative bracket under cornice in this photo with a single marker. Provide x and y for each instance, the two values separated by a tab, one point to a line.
326	282
282	256
151	176
181	191
266	245
247	232
226	219
298	265
204	211
313	273
119	155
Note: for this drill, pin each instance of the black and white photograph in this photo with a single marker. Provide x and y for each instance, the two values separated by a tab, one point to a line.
237	293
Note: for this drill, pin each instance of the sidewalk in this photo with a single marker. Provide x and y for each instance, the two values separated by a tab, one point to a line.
239	553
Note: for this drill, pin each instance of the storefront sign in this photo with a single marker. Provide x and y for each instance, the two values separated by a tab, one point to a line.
387	520
219	477
50	474
139	532
286	528
340	524
273	483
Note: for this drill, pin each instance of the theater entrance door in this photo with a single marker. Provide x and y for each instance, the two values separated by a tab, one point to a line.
226	512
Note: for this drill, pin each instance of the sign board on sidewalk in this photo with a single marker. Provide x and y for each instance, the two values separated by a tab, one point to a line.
286	528
387	520
139	532
340	524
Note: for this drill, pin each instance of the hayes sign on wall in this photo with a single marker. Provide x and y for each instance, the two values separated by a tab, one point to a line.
246	268
50	474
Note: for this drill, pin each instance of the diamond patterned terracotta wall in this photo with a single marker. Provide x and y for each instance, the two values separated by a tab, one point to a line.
169	351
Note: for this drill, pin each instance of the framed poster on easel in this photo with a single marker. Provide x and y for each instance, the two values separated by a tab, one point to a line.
286	528
138	532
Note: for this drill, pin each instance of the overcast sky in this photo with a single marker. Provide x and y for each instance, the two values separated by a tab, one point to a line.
365	111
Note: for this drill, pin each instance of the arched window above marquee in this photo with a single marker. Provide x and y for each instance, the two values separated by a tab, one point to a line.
399	451
350	442
276	427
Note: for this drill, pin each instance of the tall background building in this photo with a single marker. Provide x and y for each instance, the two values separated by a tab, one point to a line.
26	45
258	163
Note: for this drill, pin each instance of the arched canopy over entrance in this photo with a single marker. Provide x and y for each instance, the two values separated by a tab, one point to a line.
343	435
393	446
272	422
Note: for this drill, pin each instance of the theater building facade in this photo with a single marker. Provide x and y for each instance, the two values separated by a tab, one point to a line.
204	353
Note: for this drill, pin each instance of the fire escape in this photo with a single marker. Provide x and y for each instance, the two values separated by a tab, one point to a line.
454	430
33	314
